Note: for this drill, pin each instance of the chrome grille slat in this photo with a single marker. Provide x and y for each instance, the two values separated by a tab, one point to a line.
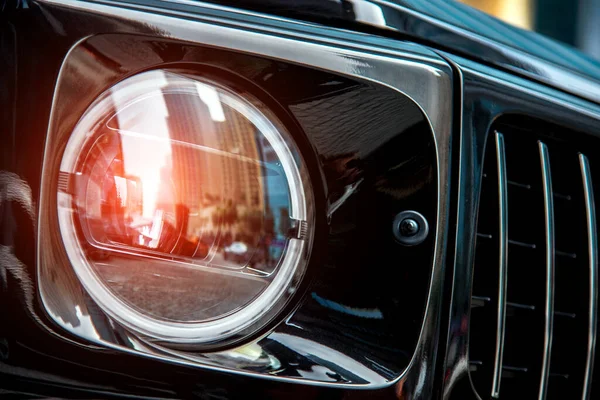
593	271
549	243
502	263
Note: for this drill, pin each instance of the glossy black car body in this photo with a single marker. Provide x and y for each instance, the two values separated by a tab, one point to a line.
418	350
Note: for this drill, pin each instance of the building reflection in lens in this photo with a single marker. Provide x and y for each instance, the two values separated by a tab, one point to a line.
182	175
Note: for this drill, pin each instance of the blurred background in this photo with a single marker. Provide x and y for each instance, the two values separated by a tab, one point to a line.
575	22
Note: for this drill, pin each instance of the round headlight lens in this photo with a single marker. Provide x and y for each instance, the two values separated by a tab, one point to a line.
184	209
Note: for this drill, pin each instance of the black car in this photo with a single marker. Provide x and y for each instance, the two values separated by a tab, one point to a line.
294	200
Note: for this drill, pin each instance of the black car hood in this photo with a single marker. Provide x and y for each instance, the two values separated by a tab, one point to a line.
454	27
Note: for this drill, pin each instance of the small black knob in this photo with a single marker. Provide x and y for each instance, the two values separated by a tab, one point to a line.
410	228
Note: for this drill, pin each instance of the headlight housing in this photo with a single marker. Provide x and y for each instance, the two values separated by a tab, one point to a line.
184	209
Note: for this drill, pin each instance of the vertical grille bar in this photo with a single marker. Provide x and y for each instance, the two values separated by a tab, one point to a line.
549	235
502	263
593	266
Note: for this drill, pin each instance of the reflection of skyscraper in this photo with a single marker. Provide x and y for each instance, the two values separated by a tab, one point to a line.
276	194
188	121
106	178
222	165
242	181
135	198
194	175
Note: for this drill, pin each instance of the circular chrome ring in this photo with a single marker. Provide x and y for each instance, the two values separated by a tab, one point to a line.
241	322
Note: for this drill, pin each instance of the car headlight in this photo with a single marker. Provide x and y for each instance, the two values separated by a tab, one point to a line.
184	208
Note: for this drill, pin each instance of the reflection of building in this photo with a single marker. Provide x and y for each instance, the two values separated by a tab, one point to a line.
276	193
189	122
214	161
135	195
107	178
242	181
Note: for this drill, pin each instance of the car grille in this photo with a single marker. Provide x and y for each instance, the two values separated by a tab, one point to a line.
532	325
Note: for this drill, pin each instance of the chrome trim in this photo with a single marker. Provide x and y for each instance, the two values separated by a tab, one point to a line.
590	210
425	78
457	362
549	225
502	262
519	84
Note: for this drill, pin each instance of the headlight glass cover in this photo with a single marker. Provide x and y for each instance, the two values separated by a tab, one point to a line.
184	208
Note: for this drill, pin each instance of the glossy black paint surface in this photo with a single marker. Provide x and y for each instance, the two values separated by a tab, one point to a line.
387	152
